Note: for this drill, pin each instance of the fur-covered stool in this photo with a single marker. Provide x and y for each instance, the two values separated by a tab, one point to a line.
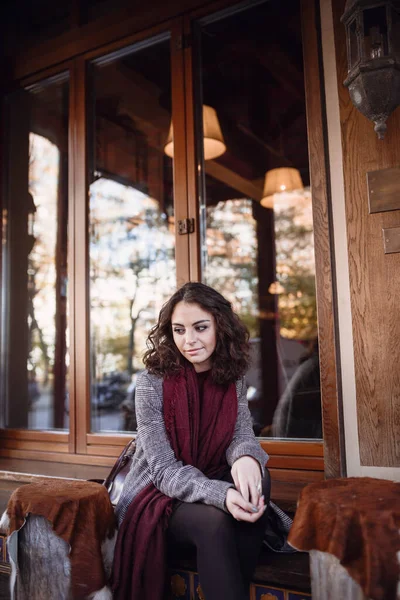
351	526
61	537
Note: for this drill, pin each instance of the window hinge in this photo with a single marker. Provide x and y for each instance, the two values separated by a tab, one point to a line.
183	42
185	226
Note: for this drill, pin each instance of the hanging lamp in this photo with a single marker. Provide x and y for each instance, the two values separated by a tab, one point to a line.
283	179
214	144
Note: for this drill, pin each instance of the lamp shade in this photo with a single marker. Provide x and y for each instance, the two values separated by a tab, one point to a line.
214	144
284	179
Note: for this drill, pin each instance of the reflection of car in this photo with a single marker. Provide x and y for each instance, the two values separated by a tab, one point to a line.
254	385
289	354
33	390
128	406
110	392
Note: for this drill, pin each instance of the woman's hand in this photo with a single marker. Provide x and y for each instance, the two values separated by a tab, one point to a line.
246	474
242	510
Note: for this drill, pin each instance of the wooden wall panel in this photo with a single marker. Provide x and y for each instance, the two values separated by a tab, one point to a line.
374	276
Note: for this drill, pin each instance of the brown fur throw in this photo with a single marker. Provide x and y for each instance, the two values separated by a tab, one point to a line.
358	521
80	513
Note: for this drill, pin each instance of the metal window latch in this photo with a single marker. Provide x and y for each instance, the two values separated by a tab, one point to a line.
185	226
183	42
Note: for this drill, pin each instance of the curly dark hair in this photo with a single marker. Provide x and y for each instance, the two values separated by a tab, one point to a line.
231	356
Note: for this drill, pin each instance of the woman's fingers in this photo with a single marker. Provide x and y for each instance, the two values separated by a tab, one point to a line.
243	515
237	505
259	514
236	481
244	488
246	474
249	489
244	504
242	510
254	493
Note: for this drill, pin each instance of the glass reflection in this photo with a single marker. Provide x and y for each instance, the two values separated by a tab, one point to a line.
34	349
132	233
261	255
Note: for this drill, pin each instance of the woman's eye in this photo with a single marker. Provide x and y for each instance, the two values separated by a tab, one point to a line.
201	328
179	331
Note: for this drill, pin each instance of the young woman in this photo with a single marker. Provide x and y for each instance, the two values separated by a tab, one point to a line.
198	475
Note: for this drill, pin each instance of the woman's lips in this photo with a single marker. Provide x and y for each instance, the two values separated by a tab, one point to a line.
193	351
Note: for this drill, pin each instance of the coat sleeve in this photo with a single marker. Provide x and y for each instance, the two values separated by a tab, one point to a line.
244	442
169	475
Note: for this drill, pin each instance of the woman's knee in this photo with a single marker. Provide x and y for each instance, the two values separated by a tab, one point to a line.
212	524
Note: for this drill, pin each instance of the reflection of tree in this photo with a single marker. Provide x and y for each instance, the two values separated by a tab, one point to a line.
132	273
43	185
140	269
296	270
35	328
232	257
232	262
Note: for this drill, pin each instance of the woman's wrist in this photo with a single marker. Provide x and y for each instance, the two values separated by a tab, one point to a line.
254	459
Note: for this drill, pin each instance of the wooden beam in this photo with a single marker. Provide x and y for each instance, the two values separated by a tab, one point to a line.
263	143
283	70
140	96
235	181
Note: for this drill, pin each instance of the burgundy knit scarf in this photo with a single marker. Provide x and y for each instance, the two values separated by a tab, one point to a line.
200	433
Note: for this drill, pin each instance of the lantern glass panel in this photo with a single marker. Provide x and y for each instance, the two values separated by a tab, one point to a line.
354	53
375	32
395	37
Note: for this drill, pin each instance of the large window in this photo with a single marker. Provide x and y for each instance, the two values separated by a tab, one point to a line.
145	162
257	229
131	222
34	340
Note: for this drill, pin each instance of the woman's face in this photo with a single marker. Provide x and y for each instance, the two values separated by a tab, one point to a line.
194	333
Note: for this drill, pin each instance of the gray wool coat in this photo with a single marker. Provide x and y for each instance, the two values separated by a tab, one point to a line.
155	462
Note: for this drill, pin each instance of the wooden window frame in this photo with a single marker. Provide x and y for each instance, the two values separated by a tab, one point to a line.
16	443
291	460
329	455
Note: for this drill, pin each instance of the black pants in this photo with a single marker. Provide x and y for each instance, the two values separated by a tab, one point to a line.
227	550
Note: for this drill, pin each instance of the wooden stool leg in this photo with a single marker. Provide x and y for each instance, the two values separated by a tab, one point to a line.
44	570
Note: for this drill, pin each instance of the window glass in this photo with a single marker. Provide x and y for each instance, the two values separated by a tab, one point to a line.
34	317
257	230
132	231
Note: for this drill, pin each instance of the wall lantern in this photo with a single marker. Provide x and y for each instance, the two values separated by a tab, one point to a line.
283	179
373	53
214	144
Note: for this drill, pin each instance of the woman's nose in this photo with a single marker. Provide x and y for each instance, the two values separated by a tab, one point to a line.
190	337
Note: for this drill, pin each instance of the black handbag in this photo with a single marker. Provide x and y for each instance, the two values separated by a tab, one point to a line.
116	478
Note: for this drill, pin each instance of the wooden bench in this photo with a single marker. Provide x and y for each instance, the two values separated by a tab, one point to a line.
283	576
286	576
